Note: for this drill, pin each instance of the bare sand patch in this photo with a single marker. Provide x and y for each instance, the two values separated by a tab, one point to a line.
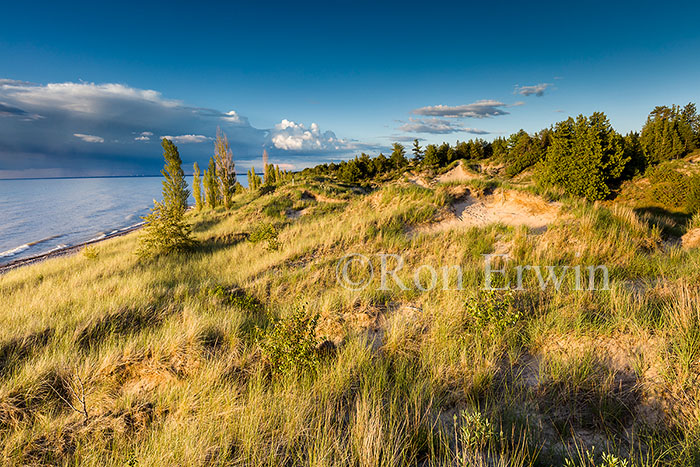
691	239
457	174
416	180
508	207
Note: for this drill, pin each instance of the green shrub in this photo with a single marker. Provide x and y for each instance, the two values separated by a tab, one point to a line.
474	431
236	297
588	459
672	189
492	310
265	232
290	344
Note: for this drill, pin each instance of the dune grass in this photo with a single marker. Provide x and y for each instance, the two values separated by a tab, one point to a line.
177	358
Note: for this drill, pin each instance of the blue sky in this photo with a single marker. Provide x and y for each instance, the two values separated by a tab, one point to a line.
89	88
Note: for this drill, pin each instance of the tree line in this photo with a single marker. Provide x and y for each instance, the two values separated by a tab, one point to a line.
584	156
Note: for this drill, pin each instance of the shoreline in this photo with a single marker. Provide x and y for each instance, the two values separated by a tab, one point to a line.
68	250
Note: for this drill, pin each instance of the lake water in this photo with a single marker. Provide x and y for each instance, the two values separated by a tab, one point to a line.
40	215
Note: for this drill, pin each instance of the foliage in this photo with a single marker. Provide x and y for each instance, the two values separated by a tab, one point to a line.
524	151
586	157
398	157
672	189
225	168
492	309
211	189
417	151
254	180
474	430
197	187
265	232
670	133
588	459
289	346
166	230
175	192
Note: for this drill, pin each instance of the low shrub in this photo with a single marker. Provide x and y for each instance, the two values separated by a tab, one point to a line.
290	344
265	232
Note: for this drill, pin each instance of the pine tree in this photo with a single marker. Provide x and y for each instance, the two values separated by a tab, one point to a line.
225	168
197	188
211	189
585	157
398	156
417	151
166	230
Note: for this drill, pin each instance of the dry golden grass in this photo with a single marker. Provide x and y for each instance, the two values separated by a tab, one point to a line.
173	374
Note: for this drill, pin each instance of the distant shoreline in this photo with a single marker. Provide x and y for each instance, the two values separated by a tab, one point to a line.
68	250
93	176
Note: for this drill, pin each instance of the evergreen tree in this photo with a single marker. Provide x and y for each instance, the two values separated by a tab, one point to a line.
586	156
669	133
225	168
166	230
197	187
417	151
398	156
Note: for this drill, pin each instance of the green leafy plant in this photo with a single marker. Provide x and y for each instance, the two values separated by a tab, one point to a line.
265	232
474	431
290	344
588	459
492	309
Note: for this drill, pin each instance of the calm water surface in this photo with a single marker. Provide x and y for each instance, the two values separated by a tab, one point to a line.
40	215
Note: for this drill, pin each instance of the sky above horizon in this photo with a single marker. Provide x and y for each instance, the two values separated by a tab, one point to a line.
89	89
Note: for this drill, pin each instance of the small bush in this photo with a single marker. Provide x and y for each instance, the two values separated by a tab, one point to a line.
265	232
588	459
237	298
474	431
290	345
90	252
492	310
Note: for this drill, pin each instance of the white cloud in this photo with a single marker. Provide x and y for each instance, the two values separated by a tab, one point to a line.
290	136
478	109
536	89
89	138
437	126
144	136
232	117
185	139
87	98
38	124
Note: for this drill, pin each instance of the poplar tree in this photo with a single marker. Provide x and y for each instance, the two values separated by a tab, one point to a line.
254	181
197	187
166	230
225	173
211	188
